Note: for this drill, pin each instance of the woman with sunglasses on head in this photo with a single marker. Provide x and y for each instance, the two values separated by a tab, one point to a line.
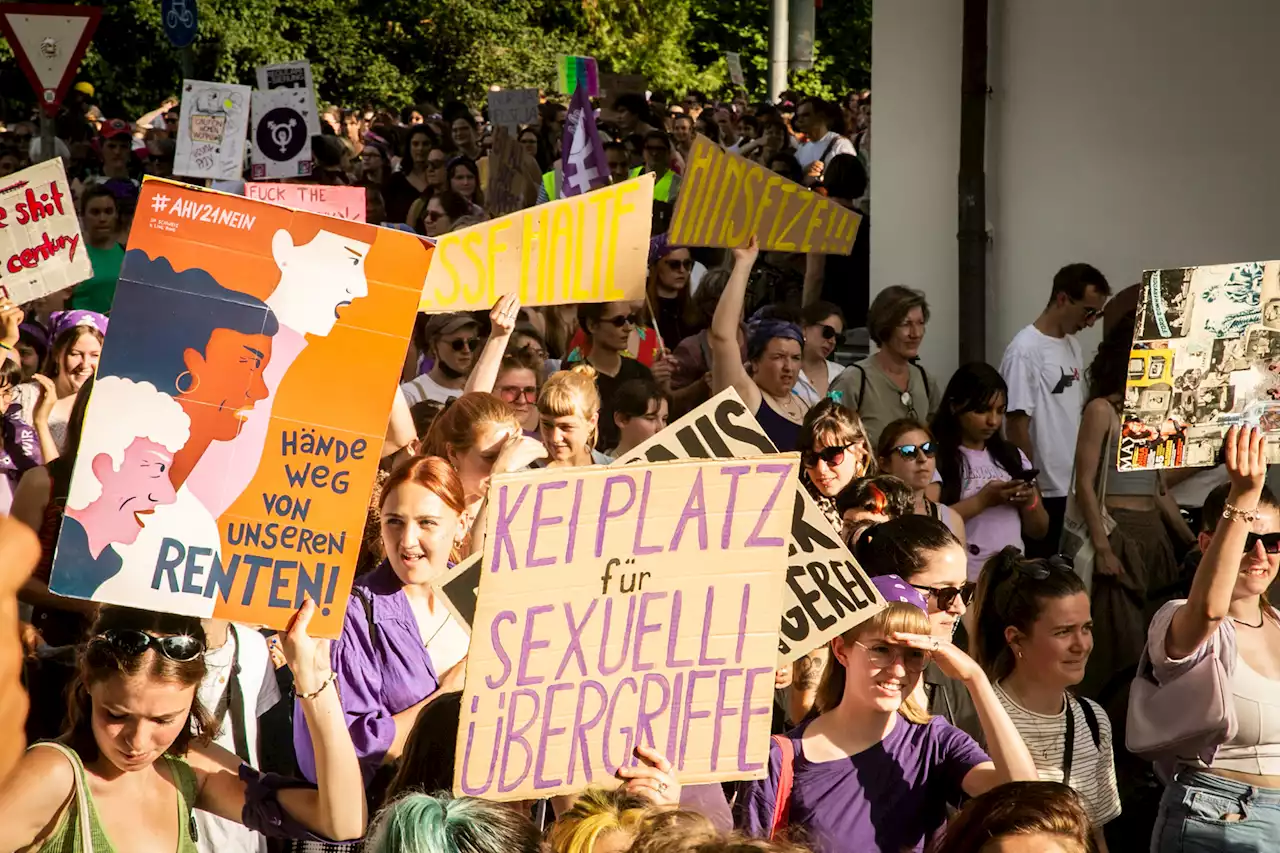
873	771
138	750
774	348
924	553
1033	634
823	324
833	453
1225	794
608	326
906	450
985	478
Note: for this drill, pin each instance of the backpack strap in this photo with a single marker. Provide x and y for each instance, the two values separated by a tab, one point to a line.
1091	720
366	602
862	386
924	377
786	777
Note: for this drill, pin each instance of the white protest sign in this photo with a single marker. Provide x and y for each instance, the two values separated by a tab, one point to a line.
285	75
734	61
212	125
511	108
625	607
826	591
40	242
282	120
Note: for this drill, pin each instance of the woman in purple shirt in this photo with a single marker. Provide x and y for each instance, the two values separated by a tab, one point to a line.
874	772
397	635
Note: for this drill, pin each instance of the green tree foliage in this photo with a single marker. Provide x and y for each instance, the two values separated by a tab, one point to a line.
396	52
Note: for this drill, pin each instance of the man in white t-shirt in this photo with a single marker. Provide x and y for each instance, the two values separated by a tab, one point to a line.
453	342
822	123
1044	368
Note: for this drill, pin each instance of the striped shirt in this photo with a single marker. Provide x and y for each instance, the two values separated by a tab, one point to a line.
1093	771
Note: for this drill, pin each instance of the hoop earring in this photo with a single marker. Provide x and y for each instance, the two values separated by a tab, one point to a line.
195	382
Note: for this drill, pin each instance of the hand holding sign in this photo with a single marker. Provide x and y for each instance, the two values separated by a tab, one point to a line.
11	317
307	657
655	780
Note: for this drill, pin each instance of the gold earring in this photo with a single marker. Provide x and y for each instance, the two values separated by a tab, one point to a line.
195	382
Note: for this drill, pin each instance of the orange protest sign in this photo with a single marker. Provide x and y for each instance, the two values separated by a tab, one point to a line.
724	199
217	476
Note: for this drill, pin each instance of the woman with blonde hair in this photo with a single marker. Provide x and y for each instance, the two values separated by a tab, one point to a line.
600	822
569	417
873	771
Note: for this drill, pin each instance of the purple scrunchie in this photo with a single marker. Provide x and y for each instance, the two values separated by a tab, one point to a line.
894	588
60	321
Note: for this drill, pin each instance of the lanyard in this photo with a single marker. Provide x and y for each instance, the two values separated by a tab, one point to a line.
233	700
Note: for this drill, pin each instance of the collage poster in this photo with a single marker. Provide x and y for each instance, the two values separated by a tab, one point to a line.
1206	357
231	439
211	130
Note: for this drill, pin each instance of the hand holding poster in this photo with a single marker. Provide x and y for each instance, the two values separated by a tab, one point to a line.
588	248
1205	357
40	242
341	202
826	591
511	108
231	319
212	124
623	608
726	198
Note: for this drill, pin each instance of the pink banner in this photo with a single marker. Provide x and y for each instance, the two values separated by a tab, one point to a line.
342	202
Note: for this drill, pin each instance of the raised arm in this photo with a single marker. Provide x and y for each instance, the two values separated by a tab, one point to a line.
1215	579
11	317
726	361
502	322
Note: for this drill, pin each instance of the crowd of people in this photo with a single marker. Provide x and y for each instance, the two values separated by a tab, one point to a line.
988	707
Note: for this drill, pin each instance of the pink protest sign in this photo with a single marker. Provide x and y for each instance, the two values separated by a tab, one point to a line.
342	202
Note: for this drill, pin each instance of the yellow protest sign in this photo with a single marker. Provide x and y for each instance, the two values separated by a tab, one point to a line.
724	199
625	607
588	248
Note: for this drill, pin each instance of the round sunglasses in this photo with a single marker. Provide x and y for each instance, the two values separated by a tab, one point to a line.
133	643
918	452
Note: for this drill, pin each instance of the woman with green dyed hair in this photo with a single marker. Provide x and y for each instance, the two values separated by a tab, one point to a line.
419	823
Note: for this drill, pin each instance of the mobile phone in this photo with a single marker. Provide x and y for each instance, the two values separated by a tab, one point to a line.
1027	476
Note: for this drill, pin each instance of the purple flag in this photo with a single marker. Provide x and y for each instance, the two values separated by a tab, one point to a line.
582	155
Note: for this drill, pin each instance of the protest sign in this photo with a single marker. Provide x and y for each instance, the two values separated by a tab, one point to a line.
826	591
212	124
287	75
282	129
575	71
589	248
458	588
513	176
342	202
40	242
511	108
724	199
734	61
1205	357
231	318
613	85
644	601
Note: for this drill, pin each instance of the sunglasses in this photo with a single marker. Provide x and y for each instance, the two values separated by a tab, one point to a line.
459	344
883	656
433	216
918	452
945	596
1089	313
133	643
828	332
676	264
623	320
1270	542
833	456
511	393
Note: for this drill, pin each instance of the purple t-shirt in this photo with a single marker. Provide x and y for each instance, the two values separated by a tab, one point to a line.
888	798
992	529
375	679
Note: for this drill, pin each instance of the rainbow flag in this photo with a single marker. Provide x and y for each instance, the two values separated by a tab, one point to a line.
575	71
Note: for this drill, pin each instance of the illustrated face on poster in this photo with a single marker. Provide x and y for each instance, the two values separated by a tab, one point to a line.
212	123
220	479
282	129
643	597
41	248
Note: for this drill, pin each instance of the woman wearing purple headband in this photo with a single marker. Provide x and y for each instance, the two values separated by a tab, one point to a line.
873	771
77	345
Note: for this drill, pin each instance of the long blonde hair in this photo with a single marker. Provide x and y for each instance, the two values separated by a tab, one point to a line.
897	618
572	393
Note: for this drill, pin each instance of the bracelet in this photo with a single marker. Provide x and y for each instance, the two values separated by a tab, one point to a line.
333	676
9	347
1035	501
1230	512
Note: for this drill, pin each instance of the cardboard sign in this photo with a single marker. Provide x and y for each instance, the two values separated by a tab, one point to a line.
212	124
613	85
734	61
40	242
283	121
458	589
342	202
726	198
1206	357
511	108
513	176
625	607
48	41
216	477
589	248
287	75
826	591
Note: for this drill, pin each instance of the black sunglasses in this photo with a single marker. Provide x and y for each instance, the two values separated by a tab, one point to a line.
915	451
459	344
131	642
828	332
623	320
1041	568
677	264
946	595
833	456
1270	542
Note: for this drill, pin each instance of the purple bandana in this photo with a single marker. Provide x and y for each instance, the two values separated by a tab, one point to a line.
894	588
60	321
20	450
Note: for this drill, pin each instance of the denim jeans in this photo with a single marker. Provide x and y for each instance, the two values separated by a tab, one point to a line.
1203	813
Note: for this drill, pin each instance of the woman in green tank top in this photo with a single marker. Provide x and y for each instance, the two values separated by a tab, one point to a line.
138	757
